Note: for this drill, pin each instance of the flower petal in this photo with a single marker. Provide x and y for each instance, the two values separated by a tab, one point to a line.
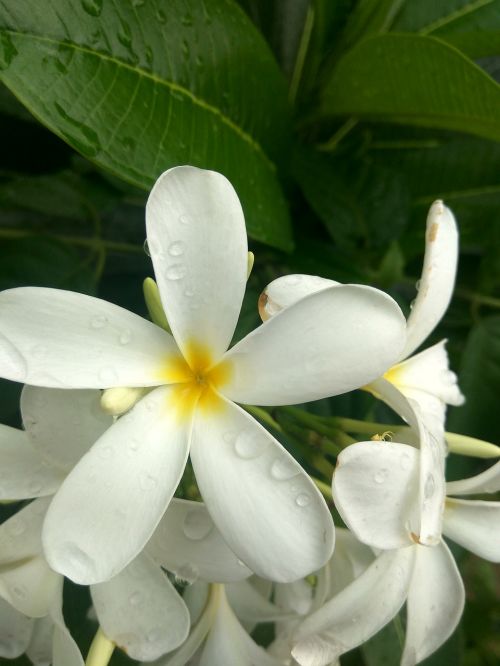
438	276
62	424
61	339
375	487
328	343
15	631
197	241
186	538
435	602
287	290
132	471
276	521
486	482
24	473
228	643
26	581
358	612
39	650
429	372
65	651
140	610
249	605
432	486
475	525
350	558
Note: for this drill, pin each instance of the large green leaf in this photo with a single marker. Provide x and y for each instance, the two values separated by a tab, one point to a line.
413	80
139	87
471	25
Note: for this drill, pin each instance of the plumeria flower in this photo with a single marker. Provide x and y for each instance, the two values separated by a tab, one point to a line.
375	486
139	609
349	560
425	377
266	507
217	637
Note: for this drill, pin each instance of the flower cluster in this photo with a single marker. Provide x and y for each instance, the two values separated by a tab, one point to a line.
117	411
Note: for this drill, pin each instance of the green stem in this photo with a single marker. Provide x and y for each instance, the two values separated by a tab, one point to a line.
301	56
93	243
264	416
324	488
332	143
100	650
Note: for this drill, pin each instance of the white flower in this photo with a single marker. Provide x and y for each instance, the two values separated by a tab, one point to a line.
217	637
375	488
425	377
268	510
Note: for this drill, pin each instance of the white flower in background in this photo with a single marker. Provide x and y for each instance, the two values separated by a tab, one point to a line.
375	487
425	377
217	636
268	510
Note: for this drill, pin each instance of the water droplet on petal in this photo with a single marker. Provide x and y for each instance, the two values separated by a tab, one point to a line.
197	524
184	219
177	249
147	481
283	469
105	452
417	284
429	487
125	336
155	634
98	321
380	476
250	444
19	591
303	499
405	461
136	598
176	272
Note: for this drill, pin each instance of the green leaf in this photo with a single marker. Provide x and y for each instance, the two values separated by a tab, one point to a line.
473	26
141	87
414	80
370	17
384	649
479	381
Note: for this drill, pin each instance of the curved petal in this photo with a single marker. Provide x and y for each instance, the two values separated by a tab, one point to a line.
62	424
197	241
140	610
132	471
375	487
61	339
24	473
186	538
429	372
358	612
65	651
276	521
435	602
432	485
26	581
228	643
328	343
350	558
250	606
287	290
15	631
438	276
475	525
39	650
486	482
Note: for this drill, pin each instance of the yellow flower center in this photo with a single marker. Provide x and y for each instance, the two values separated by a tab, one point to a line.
197	380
